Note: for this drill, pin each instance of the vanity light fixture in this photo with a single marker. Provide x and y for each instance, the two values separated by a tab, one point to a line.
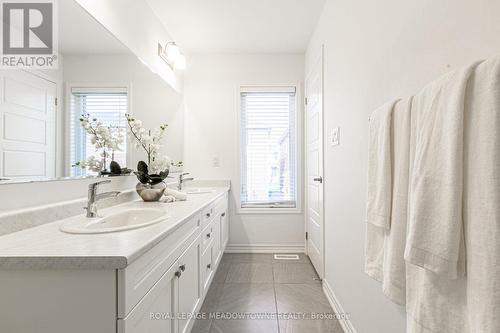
171	54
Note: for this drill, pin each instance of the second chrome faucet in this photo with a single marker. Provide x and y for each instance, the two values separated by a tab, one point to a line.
182	180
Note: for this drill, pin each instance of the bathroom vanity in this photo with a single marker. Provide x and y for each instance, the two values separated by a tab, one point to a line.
150	279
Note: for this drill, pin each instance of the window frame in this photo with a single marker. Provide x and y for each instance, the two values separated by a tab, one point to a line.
298	151
67	115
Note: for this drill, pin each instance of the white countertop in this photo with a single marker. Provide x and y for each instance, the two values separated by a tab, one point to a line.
46	247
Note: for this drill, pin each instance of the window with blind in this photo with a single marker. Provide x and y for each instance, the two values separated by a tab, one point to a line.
109	106
268	147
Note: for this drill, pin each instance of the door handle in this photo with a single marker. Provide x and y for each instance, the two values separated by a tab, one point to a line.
318	179
182	267
178	274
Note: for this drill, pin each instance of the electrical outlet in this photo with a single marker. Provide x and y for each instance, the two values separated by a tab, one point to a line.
335	136
216	162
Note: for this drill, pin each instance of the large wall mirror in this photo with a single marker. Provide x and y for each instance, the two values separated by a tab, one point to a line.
47	117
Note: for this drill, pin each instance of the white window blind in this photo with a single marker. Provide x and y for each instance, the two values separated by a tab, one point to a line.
268	147
109	106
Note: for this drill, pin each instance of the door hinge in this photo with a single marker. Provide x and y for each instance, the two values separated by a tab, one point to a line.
306	235
55	101
305	101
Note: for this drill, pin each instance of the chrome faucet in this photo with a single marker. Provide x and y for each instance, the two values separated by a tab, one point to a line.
93	197
182	180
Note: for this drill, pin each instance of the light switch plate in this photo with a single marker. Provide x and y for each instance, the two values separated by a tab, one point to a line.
335	136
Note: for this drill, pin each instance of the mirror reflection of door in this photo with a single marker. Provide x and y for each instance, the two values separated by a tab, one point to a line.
28	131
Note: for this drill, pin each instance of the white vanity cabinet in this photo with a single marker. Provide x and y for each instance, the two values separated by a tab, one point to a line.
153	313
160	291
222	223
193	254
171	303
224	228
217	250
214	239
189	291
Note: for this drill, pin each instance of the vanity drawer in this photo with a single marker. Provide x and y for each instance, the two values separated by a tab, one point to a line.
207	267
207	236
207	215
137	279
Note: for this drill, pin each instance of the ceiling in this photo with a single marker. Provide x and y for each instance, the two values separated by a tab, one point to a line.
80	33
239	26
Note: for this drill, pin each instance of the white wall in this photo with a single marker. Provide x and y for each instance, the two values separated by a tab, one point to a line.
135	24
151	99
30	195
211	85
375	51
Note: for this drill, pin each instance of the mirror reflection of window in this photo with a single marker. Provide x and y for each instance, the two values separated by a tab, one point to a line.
107	106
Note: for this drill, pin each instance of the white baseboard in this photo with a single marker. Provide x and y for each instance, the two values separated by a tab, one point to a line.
337	307
264	248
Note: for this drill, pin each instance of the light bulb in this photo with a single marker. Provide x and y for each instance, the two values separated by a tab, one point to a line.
172	51
180	63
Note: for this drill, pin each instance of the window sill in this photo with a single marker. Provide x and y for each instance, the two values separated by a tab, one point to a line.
268	211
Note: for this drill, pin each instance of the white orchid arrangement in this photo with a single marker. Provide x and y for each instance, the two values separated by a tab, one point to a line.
106	139
91	163
148	140
161	164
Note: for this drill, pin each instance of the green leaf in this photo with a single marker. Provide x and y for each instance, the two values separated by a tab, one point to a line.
155	179
142	167
142	177
126	171
164	174
115	168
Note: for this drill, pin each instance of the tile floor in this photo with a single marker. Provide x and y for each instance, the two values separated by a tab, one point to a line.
259	284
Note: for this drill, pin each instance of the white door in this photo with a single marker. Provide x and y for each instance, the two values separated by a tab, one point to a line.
27	125
314	165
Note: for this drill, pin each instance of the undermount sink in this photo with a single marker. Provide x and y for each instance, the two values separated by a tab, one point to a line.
132	218
200	190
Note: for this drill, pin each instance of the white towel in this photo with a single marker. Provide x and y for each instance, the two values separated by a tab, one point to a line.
434	303
482	197
179	196
469	303
379	167
436	184
379	189
168	199
384	259
394	269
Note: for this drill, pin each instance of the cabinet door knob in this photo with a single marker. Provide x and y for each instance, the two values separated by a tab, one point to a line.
209	235
209	265
182	267
178	274
208	214
223	214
